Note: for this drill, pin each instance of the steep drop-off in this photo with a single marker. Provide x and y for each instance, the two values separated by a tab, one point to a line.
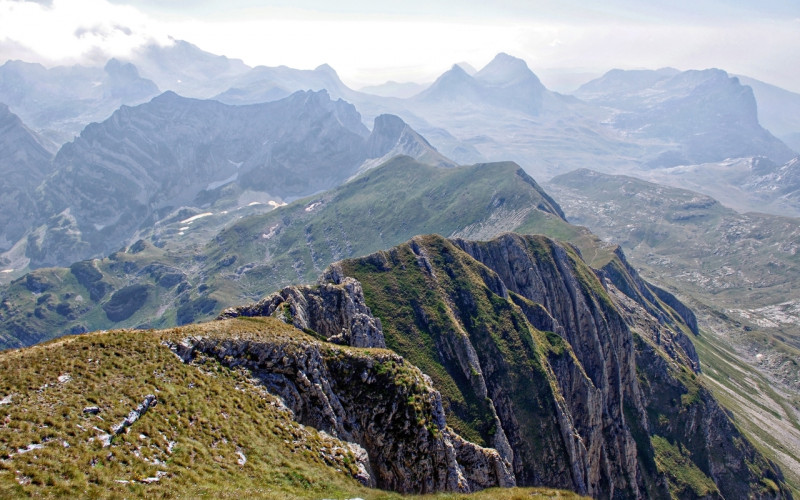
569	378
537	372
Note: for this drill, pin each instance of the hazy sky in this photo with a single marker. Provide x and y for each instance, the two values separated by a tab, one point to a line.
372	41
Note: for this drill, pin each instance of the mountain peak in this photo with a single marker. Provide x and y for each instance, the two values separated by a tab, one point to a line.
326	68
167	96
505	69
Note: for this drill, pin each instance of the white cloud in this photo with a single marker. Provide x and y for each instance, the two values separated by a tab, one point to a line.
68	31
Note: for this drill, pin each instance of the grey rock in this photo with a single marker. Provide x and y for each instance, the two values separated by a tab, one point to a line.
134	415
334	310
354	396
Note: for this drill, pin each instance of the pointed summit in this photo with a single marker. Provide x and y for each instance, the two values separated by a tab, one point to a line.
506	82
507	70
391	137
453	85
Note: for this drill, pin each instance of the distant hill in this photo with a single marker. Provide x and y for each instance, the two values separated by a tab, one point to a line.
744	184
185	69
187	280
395	89
778	111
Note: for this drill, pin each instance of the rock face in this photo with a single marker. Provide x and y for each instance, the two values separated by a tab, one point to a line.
709	114
373	399
58	102
583	387
24	164
127	173
335	311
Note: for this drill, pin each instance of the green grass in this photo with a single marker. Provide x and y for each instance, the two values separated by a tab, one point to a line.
382	208
431	316
742	389
206	414
203	415
685	478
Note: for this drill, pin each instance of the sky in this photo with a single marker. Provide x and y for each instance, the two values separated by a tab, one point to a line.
370	42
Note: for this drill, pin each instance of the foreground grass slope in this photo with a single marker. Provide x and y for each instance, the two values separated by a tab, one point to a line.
212	433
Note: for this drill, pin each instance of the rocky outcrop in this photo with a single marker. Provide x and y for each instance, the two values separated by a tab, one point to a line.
373	399
602	373
24	164
337	312
149	401
521	322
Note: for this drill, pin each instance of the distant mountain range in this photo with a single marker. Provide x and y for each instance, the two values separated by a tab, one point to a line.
197	184
709	115
59	102
500	112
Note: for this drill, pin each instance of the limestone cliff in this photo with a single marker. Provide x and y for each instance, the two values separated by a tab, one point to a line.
576	383
335	311
373	399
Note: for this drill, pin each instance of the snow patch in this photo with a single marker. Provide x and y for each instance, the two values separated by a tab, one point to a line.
11	270
313	206
271	233
195	217
276	204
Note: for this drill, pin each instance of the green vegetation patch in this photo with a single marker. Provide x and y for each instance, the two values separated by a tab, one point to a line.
125	302
686	479
63	397
435	306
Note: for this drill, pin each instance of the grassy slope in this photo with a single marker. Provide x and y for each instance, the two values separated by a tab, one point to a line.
260	253
421	315
206	415
717	260
382	208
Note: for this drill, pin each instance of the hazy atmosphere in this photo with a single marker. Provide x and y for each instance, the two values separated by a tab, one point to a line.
566	43
358	249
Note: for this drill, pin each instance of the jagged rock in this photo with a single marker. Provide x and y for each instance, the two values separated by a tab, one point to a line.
376	400
608	366
336	311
